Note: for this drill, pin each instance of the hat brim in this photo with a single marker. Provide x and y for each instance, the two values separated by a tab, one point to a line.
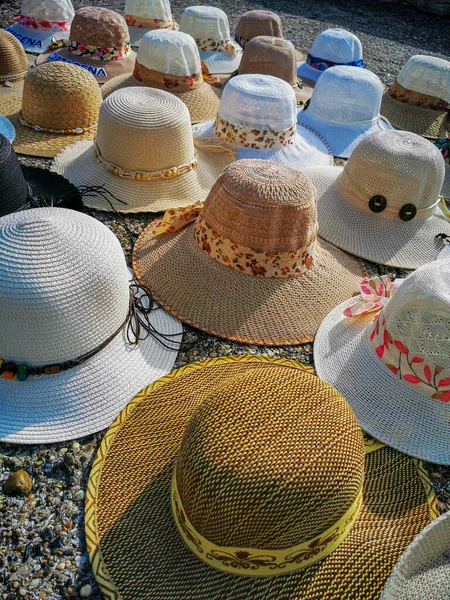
445	191
78	164
52	189
15	87
391	411
130	485
387	241
221	62
34	40
7	129
304	70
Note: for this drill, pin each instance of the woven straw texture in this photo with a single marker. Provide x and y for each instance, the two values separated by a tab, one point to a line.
13	63
394	507
143	129
58	265
430	123
423	572
146	9
403	168
264	206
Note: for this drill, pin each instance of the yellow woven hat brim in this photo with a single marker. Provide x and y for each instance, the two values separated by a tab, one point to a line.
137	553
427	122
15	87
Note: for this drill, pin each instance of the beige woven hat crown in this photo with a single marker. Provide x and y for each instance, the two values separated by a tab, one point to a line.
13	63
258	22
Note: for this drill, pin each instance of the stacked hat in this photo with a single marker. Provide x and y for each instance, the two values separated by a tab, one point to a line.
169	60
144	154
444	146
99	41
254	483
251	262
13	64
257	119
41	23
147	15
419	99
345	108
210	29
383	205
59	105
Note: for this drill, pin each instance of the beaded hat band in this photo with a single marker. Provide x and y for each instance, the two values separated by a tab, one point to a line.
76	131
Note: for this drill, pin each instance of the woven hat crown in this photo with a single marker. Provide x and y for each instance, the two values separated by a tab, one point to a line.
270	460
337	45
259	22
149	9
263	205
205	22
63	285
48	10
96	26
12	182
60	95
168	51
13	57
427	75
270	56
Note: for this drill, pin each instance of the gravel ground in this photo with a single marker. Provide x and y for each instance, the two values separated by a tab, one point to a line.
42	547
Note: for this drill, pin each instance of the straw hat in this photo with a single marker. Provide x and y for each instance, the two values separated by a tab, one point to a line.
144	154
254	254
383	204
52	272
209	27
41	23
345	108
444	146
147	15
99	42
169	60
13	64
262	457
59	105
257	119
419	99
423	572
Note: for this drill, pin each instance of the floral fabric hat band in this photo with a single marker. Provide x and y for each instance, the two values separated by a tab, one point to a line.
321	64
133	21
93	52
400	93
174	83
210	45
249	137
42	25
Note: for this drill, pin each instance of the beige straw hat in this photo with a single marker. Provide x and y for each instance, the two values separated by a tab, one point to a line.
169	60
59	106
250	268
13	63
419	99
248	477
99	42
147	15
144	154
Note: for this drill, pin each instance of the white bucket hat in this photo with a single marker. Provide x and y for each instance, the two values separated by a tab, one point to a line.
345	108
7	129
257	119
383	205
146	15
331	47
41	22
67	365
394	368
209	27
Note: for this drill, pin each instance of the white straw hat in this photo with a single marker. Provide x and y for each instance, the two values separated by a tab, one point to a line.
331	47
209	27
394	369
423	571
146	15
257	118
41	22
7	129
144	154
345	107
383	205
64	294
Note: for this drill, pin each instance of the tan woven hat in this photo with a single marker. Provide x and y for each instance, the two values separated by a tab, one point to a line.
253	252
230	472
144	154
99	42
13	63
59	105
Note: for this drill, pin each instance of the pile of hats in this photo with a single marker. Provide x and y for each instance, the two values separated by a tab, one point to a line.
240	466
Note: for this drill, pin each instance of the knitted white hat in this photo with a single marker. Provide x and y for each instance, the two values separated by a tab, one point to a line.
7	129
147	15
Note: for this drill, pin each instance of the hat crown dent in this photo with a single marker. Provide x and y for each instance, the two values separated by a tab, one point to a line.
12	182
270	462
48	10
205	22
170	52
426	75
337	45
13	57
97	26
259	23
268	55
149	9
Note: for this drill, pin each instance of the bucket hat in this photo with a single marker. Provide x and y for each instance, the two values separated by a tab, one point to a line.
383	205
393	368
13	64
70	381
223	518
209	27
143	154
257	119
169	60
419	99
59	105
253	252
147	15
444	146
41	23
423	571
345	108
99	42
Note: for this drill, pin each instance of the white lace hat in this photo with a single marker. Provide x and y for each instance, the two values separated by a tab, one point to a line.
257	119
67	366
7	129
383	205
41	22
209	27
331	47
345	108
147	15
394	368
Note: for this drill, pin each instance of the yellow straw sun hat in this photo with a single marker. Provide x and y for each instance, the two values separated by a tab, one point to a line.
13	63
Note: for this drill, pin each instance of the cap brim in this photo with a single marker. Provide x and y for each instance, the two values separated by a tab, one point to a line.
34	40
221	62
7	129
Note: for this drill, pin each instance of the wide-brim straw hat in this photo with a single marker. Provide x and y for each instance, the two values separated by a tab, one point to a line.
130	484
7	129
424	121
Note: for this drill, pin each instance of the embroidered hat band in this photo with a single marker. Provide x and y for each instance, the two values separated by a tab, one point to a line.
42	25
210	45
76	131
321	64
99	53
402	94
149	23
248	137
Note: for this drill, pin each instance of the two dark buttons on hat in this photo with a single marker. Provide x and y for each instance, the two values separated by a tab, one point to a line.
378	204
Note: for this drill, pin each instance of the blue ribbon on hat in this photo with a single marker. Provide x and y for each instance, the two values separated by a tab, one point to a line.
322	65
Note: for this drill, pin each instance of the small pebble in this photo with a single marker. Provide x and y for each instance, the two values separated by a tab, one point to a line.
18	483
86	591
